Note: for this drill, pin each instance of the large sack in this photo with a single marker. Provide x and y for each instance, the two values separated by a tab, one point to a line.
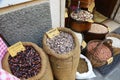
64	65
45	72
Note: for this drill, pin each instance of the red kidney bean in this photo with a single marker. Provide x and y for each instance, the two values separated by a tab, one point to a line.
26	64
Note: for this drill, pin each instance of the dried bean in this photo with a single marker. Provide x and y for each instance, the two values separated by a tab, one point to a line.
26	64
62	43
82	15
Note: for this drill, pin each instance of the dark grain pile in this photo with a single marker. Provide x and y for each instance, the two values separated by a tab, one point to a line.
26	64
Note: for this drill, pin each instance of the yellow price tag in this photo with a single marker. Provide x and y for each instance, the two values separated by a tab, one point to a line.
14	49
52	33
90	21
84	44
109	29
110	60
66	14
91	7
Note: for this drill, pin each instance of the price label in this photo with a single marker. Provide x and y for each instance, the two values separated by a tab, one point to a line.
14	49
90	21
52	33
110	60
84	44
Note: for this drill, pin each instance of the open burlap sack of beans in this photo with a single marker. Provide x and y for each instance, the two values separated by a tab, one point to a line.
99	52
115	37
31	64
64	61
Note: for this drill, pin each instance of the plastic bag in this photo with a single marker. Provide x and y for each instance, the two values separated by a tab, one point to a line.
86	75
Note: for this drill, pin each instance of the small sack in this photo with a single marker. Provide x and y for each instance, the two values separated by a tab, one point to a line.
45	72
89	73
99	52
64	65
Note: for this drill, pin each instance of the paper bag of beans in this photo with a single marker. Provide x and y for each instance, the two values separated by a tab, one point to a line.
115	37
31	64
63	50
99	52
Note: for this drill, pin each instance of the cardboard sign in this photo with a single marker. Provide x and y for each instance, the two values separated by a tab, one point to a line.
14	49
52	33
110	60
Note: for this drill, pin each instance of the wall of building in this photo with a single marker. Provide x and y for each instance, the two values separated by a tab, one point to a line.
26	24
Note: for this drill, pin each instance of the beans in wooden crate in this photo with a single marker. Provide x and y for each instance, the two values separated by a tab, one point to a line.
62	43
26	64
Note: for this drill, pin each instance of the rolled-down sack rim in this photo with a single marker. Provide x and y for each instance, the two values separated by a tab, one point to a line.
64	55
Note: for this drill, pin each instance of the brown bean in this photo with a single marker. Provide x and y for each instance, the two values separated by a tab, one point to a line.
26	64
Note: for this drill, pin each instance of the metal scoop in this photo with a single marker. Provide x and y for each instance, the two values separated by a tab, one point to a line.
78	7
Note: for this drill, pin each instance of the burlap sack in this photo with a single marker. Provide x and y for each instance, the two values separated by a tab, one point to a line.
98	55
45	71
64	65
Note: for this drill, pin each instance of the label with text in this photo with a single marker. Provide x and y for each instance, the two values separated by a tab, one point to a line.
14	49
52	33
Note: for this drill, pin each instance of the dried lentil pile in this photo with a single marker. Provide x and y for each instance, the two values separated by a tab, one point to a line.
97	28
115	41
102	52
62	43
26	64
82	15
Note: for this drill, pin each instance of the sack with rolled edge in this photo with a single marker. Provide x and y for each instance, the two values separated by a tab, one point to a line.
64	65
45	72
100	52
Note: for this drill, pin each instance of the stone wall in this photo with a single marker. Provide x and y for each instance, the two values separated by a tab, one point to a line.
27	24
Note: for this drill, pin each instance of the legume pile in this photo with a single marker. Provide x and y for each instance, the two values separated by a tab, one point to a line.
102	52
82	15
97	28
26	64
62	43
